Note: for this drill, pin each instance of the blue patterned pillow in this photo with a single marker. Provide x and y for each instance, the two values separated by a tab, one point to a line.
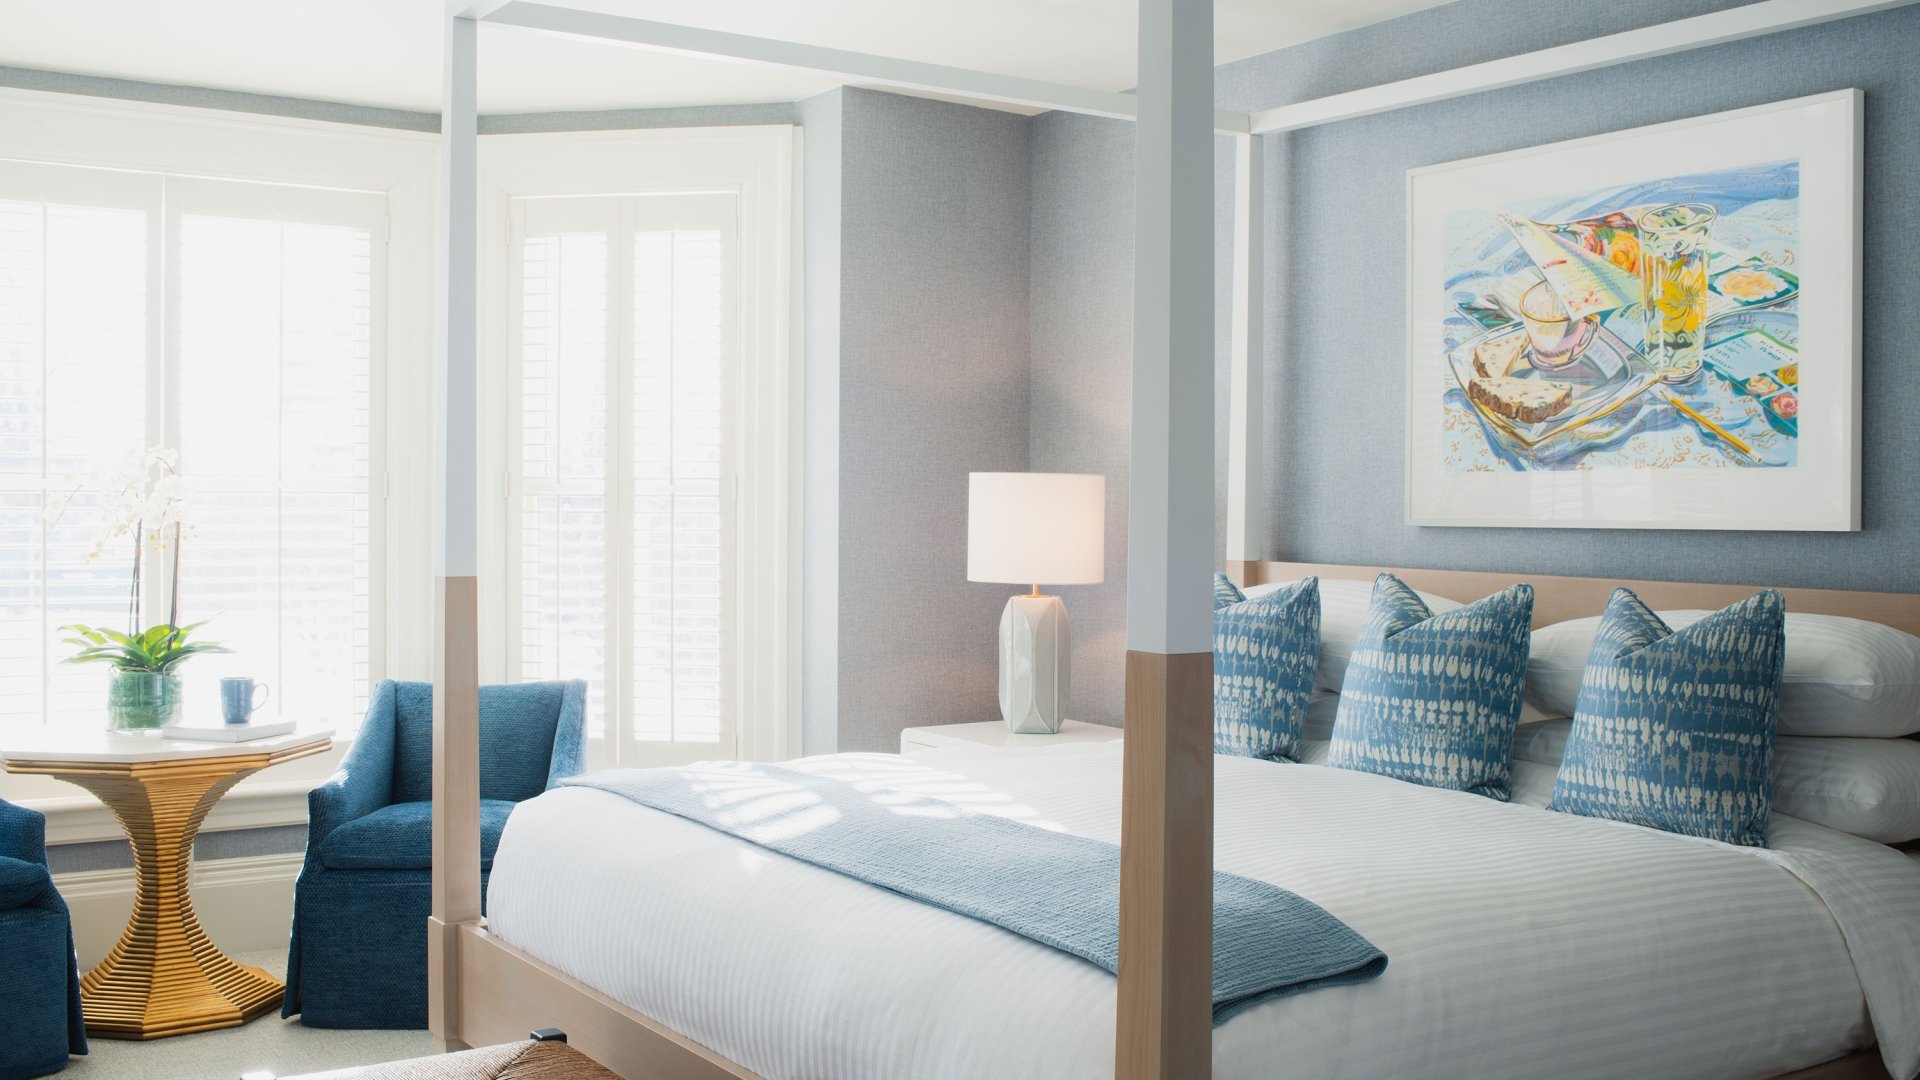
1433	699
1675	730
1265	651
1225	591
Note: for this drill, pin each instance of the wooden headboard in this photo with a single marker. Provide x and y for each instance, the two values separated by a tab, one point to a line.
1556	599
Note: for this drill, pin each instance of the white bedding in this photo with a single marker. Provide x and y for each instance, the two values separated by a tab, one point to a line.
1521	943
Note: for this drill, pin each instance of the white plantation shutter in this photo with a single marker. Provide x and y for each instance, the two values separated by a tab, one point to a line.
274	359
628	300
74	351
564	613
682	526
234	322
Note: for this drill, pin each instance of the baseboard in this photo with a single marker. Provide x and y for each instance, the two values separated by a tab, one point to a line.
245	904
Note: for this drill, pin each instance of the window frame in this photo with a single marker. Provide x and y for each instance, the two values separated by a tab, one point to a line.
759	166
124	138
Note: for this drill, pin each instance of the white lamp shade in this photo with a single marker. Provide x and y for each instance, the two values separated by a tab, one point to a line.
1037	528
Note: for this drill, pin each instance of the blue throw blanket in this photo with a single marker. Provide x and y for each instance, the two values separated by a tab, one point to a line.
1058	889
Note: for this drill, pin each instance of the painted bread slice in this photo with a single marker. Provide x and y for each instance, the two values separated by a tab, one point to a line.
1527	400
1496	359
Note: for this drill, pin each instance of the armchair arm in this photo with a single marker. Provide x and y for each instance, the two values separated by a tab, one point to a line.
364	781
570	734
23	833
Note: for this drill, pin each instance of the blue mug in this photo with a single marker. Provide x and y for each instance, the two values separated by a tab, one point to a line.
237	698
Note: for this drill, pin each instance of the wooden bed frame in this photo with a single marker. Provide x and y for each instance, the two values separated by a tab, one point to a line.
502	993
483	991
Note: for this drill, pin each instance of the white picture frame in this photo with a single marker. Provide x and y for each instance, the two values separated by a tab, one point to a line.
1629	450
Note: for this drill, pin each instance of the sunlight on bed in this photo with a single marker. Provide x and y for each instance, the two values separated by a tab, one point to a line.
769	808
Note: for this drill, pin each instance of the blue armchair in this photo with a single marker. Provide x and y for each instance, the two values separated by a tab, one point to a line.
358	957
40	993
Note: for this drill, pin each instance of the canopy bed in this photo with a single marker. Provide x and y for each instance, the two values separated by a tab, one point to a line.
536	969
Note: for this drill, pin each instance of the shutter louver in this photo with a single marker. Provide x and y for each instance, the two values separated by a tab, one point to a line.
73	378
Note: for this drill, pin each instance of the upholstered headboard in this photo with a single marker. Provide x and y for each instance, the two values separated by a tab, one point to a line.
1556	598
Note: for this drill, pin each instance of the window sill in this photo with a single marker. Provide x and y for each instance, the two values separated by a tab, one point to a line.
276	798
83	819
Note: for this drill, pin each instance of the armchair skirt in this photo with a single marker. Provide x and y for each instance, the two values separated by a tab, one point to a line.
358	954
40	990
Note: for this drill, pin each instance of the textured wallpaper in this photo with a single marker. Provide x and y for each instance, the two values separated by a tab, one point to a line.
1337	264
928	350
1335	303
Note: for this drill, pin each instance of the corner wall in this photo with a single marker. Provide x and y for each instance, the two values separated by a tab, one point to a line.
917	372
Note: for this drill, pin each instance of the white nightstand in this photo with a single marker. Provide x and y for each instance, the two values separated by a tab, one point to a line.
994	733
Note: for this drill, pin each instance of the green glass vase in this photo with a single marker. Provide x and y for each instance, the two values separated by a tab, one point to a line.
141	700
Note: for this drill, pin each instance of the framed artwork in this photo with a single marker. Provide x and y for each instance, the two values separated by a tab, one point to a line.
1651	329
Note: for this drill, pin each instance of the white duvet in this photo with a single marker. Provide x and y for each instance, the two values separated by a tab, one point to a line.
1521	943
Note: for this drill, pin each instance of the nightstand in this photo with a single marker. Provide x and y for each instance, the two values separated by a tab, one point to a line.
994	733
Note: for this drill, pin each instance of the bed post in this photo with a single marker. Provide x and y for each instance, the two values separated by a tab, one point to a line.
456	676
1246	495
1163	1022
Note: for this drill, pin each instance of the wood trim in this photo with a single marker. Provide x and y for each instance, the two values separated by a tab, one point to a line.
505	993
456	797
1164	1023
1556	598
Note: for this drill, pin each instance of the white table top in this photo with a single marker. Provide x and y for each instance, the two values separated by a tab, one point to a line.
98	744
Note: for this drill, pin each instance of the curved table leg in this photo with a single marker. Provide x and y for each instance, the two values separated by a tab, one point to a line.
166	977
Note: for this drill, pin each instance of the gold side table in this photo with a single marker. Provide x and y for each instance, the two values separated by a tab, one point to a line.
165	977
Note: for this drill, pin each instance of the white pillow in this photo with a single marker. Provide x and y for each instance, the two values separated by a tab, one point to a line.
1322	706
1845	677
1343	607
1867	787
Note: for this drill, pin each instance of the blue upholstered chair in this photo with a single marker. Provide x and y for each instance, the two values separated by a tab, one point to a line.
40	1022
358	958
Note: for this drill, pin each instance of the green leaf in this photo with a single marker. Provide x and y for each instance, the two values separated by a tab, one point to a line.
87	632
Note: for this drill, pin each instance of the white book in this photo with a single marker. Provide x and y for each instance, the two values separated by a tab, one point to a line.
229	732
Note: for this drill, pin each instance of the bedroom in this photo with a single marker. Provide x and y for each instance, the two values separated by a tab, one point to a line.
834	298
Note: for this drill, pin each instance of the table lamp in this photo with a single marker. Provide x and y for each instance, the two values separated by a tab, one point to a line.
1033	529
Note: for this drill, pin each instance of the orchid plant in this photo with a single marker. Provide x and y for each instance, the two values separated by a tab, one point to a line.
143	498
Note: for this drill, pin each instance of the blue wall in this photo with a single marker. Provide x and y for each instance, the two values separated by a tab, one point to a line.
1336	245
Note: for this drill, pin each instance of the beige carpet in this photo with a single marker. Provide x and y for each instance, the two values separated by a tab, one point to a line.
281	1047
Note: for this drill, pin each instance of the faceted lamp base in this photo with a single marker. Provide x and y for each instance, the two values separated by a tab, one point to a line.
1036	663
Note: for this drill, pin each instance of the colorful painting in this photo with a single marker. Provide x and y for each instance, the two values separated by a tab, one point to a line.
1599	330
1640	332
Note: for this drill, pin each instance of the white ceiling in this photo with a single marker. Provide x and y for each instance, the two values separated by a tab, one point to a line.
387	52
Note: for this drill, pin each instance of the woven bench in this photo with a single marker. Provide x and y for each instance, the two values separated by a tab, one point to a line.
534	1060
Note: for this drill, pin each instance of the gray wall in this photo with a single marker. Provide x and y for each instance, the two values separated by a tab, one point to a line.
922	372
229	844
820	507
1335	239
1081	247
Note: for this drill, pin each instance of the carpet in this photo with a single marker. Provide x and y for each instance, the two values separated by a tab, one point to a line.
282	1047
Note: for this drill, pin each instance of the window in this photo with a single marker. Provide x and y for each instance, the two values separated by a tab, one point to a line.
625	463
236	324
